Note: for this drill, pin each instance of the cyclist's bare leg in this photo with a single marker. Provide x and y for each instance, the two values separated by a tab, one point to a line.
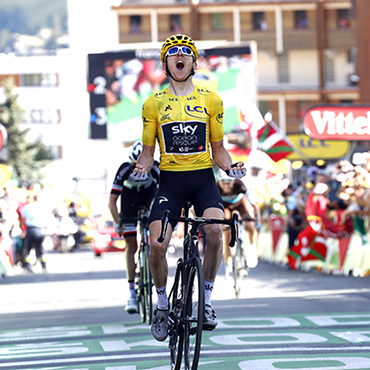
131	247
250	228
228	258
157	257
213	253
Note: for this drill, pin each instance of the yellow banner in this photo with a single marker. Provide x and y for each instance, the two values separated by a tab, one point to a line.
317	149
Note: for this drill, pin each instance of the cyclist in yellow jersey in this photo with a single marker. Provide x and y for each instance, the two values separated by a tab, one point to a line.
187	122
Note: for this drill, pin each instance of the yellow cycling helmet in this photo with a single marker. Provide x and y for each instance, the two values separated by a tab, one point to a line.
175	40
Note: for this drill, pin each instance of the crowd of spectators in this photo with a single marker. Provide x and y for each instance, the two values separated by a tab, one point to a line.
346	187
12	230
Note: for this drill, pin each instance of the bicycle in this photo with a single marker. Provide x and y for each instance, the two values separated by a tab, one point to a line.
240	265
185	322
144	276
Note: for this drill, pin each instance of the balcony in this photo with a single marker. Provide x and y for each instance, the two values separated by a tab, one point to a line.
266	40
297	39
341	38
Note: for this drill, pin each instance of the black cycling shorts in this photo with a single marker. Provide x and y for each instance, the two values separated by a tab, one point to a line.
132	200
176	188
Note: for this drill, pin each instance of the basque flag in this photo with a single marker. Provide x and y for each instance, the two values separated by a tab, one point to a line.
274	142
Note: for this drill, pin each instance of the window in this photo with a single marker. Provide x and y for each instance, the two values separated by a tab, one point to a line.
217	21
259	22
283	68
343	18
301	20
135	23
40	79
175	23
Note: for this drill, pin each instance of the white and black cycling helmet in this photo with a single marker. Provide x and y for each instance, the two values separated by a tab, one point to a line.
135	150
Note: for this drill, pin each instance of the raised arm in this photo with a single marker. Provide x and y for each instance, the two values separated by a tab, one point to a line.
223	160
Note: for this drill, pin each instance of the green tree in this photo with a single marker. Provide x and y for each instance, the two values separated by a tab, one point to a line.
25	158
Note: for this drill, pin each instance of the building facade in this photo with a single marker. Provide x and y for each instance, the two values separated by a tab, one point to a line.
308	50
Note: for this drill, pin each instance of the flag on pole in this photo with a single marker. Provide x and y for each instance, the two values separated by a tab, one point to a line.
274	142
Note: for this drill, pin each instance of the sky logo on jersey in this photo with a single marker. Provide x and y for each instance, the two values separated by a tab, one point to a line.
196	112
184	138
183	128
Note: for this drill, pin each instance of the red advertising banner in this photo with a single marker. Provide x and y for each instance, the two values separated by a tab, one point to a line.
338	122
343	247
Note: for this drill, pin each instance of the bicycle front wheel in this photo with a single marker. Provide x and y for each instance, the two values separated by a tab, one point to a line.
193	315
239	268
176	332
141	287
148	285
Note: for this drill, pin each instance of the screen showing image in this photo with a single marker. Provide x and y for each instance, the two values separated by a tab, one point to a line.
120	82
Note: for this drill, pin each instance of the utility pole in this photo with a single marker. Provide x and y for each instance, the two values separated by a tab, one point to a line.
363	45
321	46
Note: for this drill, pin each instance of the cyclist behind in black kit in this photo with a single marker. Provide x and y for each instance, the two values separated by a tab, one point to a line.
134	194
187	122
236	197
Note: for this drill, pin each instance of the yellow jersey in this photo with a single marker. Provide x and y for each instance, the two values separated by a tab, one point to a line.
184	126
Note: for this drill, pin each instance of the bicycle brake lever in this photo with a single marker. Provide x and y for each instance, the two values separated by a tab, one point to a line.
234	230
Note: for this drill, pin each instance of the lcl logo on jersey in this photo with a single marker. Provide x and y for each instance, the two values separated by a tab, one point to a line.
220	117
204	92
160	94
197	111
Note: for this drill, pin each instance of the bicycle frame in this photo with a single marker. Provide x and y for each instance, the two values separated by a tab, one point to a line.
187	293
144	276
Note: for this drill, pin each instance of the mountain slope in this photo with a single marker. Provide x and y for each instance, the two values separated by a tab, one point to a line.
29	16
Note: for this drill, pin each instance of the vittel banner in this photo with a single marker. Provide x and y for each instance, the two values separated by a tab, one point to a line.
336	122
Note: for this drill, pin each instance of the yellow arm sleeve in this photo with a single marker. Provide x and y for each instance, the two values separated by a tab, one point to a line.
216	119
149	115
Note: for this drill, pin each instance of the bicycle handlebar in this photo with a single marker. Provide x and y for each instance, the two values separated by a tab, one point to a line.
233	223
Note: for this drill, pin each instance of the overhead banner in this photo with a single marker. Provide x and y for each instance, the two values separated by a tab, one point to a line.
338	122
119	82
317	149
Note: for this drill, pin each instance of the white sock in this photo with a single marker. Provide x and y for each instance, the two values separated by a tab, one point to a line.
208	288
132	289
162	302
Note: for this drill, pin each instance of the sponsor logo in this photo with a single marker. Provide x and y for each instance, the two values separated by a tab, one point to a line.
338	122
197	111
168	108
192	98
173	99
165	116
183	128
162	199
184	138
220	118
160	94
204	92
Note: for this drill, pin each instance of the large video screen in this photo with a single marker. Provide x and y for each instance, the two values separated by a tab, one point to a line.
119	83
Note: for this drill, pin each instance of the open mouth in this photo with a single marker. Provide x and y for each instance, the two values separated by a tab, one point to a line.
180	65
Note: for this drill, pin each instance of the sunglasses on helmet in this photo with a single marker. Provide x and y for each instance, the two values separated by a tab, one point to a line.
175	50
